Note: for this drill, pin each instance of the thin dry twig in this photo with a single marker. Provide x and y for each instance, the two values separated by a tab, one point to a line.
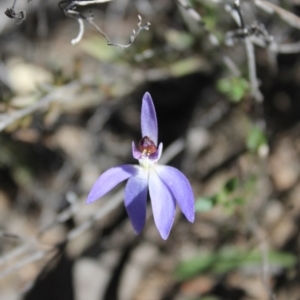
80	33
263	247
70	11
286	48
245	34
55	95
20	15
20	250
212	37
254	86
264	39
132	37
290	18
35	256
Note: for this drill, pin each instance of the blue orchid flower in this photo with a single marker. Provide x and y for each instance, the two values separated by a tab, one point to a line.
166	184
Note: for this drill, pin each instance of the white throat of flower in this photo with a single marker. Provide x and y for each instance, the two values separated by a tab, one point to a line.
146	162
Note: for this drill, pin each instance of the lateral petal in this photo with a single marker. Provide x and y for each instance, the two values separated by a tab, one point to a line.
135	152
109	179
148	119
180	188
163	204
136	199
156	156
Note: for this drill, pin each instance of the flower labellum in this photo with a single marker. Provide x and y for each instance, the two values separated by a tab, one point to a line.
167	185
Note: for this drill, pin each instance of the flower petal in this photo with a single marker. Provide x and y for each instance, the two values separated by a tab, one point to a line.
136	199
135	152
156	156
109	179
148	119
163	204
180	188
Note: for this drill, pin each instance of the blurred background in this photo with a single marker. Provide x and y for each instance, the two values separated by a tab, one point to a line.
227	101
